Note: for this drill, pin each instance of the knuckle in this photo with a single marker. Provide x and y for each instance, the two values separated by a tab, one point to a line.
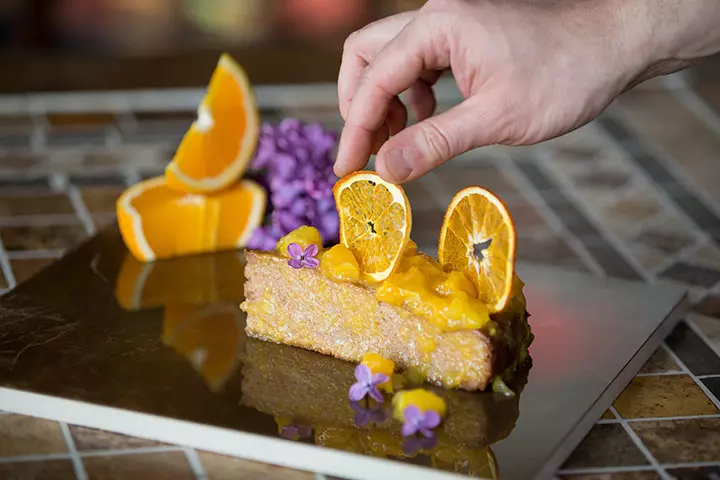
351	41
437	140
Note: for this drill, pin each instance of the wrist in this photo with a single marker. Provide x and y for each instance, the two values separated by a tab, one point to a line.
664	36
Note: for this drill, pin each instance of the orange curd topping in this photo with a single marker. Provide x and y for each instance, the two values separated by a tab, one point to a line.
419	284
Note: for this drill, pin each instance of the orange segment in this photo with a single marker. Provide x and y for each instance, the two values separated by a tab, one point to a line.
478	238
196	280
157	222
209	337
375	222
219	144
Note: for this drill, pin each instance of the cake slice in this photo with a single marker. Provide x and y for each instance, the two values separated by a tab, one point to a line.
305	308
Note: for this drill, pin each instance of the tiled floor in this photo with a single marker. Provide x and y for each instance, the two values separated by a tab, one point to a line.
632	195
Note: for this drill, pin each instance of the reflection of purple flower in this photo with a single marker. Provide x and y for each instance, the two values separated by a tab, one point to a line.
303	258
363	415
294	432
367	384
419	421
412	445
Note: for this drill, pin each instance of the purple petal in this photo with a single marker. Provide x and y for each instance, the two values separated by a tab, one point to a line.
357	392
311	250
363	373
289	432
362	418
412	414
426	432
311	262
432	419
379	378
375	394
357	408
304	431
408	429
295	263
295	251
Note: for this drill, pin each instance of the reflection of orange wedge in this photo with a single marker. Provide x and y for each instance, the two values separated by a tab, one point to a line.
209	337
197	280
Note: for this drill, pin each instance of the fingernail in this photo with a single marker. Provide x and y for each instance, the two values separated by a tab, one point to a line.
399	164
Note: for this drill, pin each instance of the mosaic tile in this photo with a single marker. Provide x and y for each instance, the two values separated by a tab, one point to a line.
103	220
608	415
526	216
549	249
91	439
696	209
692	274
605	179
612	262
574	219
420	196
681	441
626	213
696	473
660	362
18	161
97	179
36	203
663	396
699	358
713	384
607	445
29	436
220	467
666	240
455	177
707	254
158	466
648	258
42	237
709	306
664	120
76	136
709	329
27	267
55	119
630	475
101	199
42	470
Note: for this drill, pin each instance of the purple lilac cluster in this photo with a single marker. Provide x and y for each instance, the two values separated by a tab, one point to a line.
295	164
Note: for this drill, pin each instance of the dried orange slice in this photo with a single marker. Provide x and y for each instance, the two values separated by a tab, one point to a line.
375	222
195	280
219	144
210	337
478	237
157	222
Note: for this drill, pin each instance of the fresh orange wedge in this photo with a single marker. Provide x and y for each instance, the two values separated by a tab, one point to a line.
375	222
478	237
209	337
157	222
196	280
219	144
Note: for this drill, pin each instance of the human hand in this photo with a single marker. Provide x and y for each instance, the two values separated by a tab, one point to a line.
528	70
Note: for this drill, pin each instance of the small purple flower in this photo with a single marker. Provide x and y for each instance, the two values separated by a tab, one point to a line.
367	384
363	415
294	432
419	421
412	445
303	258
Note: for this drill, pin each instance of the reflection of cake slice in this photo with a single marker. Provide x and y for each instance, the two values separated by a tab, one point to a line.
311	389
196	280
209	337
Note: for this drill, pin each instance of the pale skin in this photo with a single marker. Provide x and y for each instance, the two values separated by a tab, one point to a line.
529	70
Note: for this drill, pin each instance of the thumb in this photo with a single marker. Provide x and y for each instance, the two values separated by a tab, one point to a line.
426	145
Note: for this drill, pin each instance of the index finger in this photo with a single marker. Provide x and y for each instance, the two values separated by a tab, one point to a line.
393	71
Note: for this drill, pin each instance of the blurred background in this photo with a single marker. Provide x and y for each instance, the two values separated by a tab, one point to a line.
108	44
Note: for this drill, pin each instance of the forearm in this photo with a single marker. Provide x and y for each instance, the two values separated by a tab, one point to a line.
668	35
